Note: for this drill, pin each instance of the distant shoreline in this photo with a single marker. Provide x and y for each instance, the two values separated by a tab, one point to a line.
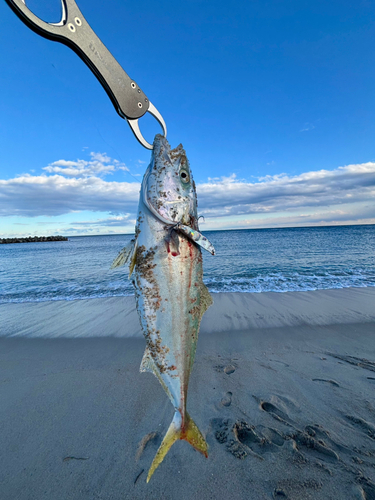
32	239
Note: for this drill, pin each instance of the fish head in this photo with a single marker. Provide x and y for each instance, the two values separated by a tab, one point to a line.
169	188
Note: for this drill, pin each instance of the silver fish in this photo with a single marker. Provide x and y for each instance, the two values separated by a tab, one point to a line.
170	294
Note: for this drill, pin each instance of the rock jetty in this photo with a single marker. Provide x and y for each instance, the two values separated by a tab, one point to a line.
33	239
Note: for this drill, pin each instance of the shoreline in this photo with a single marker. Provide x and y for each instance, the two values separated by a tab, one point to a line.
231	311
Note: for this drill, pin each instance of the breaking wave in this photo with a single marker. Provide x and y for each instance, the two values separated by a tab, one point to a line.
252	261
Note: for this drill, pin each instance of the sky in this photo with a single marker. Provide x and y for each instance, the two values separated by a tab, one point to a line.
274	102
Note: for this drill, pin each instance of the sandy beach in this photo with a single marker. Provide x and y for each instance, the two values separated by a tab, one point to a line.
283	388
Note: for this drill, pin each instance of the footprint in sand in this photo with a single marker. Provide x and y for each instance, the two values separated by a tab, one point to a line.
309	439
220	427
367	488
332	382
228	369
297	489
227	399
273	435
242	439
364	426
353	360
279	493
280	362
223	431
275	412
259	439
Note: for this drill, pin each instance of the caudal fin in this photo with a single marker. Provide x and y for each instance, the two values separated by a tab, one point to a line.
190	433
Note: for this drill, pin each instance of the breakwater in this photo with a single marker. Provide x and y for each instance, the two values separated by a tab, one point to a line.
32	239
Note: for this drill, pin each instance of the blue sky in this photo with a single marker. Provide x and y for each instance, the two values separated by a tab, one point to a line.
274	102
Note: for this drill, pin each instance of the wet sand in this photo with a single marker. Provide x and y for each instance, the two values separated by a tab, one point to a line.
283	388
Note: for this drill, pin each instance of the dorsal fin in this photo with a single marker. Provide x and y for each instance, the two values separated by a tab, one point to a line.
206	299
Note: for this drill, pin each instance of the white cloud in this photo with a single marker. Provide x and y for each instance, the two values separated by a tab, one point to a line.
99	165
318	218
342	195
119	221
307	127
53	195
280	193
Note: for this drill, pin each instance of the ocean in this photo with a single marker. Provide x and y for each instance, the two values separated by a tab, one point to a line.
253	260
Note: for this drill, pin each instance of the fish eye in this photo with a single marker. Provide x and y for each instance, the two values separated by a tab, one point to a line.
184	176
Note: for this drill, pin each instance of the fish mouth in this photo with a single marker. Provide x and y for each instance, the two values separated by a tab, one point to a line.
161	149
163	154
160	140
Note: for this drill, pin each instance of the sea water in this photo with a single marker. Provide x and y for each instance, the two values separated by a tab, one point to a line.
254	260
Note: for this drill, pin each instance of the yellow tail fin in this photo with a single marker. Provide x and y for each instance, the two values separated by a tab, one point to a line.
190	433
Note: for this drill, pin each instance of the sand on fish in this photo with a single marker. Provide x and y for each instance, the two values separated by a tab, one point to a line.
283	387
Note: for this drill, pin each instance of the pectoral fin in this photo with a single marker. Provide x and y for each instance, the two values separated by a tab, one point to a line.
124	255
197	237
133	260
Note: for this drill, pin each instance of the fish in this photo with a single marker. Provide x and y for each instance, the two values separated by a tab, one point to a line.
165	264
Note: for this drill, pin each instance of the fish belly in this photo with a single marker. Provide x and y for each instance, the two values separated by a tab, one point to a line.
168	293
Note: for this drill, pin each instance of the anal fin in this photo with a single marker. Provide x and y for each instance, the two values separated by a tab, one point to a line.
148	365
